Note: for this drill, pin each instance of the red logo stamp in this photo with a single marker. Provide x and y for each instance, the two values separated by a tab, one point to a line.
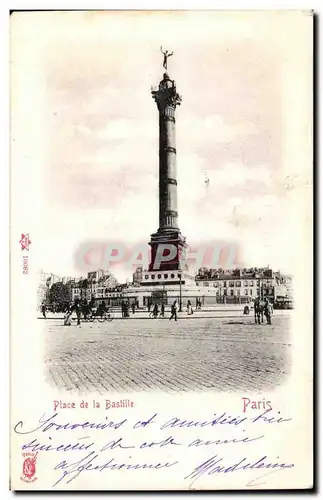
29	467
25	241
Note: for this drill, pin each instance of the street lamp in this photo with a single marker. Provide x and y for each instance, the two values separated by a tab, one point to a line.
180	292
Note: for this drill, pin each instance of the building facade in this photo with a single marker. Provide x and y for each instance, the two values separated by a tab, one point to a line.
245	284
98	285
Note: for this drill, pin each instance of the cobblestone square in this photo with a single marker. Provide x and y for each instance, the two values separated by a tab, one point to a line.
200	354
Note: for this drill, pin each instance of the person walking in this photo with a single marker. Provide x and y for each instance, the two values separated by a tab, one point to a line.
85	309
133	307
91	307
268	311
43	308
77	309
67	316
162	311
189	308
126	310
174	310
246	310
156	311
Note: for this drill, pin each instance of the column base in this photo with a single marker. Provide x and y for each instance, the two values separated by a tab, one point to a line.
173	238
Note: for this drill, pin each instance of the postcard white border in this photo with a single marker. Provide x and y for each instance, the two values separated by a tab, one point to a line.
4	190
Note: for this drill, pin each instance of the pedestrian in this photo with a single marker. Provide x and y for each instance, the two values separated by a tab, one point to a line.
149	306
246	310
92	309
126	310
85	309
268	311
133	307
162	311
77	309
43	308
67	316
156	311
123	309
189	308
174	310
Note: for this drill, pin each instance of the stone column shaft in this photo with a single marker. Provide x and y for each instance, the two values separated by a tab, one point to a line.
167	99
168	216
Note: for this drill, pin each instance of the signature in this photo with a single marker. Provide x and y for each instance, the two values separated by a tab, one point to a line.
216	465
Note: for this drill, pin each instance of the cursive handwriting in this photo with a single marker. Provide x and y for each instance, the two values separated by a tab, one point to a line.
49	424
103	451
88	463
215	465
247	439
222	419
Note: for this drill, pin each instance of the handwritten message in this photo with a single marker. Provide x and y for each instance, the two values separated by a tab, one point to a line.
79	449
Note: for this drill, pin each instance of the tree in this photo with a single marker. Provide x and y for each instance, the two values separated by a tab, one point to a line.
59	293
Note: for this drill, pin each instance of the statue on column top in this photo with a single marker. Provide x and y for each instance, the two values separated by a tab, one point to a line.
166	56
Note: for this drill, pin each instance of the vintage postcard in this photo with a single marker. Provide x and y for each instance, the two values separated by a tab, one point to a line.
161	250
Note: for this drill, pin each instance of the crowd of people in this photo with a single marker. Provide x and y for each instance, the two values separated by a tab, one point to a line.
89	309
156	311
262	307
84	308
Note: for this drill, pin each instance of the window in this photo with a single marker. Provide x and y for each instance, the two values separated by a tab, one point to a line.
238	283
232	292
246	292
165	276
152	276
231	283
146	277
238	293
224	292
159	276
251	283
206	283
224	284
245	283
172	275
250	292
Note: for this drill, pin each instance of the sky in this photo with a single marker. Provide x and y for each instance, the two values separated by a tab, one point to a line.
243	124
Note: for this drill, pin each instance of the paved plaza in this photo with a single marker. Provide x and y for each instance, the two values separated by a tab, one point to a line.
200	354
